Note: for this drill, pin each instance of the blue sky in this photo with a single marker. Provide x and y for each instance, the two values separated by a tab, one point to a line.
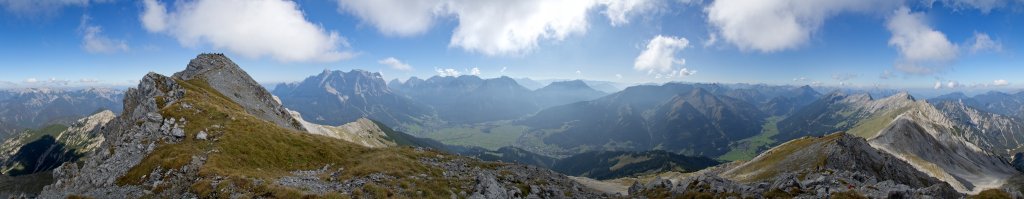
935	44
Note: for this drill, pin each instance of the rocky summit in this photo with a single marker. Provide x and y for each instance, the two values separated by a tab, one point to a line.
183	136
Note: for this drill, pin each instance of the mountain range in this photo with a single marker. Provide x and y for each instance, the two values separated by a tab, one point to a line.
211	131
34	108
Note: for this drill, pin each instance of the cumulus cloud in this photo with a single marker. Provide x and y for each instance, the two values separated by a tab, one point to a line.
952	84
395	64
660	54
31	80
938	85
447	72
1000	82
252	28
474	71
94	41
493	27
619	11
503	70
800	79
774	25
923	50
153	16
395	17
982	42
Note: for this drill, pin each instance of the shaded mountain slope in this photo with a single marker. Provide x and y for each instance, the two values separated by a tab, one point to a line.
565	92
673	117
838	165
838	111
616	164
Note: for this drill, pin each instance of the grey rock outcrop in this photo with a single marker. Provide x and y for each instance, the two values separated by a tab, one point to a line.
227	78
127	138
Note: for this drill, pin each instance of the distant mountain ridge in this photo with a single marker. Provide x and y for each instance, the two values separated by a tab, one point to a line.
336	98
35	107
674	117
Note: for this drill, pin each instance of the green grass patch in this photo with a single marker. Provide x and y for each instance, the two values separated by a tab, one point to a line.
748	148
487	136
870	127
245	148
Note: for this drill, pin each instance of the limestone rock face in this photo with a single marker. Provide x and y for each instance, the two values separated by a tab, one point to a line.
227	78
363	132
128	139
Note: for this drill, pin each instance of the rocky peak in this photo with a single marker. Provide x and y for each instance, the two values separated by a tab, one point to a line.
352	83
226	77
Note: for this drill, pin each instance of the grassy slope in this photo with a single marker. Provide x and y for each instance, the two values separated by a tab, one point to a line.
870	127
485	136
248	148
748	148
774	158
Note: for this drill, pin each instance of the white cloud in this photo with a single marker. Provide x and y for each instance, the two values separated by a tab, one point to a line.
153	16
40	8
660	54
618	76
515	27
923	50
88	81
686	72
93	40
938	85
800	79
774	25
1000	82
447	72
711	41
31	80
394	17
982	42
252	28
474	71
493	27
395	64
578	72
952	84
503	68
619	11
